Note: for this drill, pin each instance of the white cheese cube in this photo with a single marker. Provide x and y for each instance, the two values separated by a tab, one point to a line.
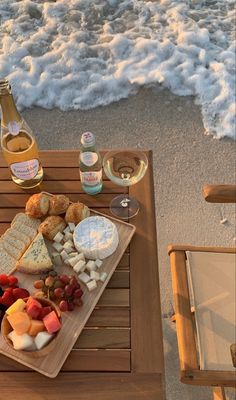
42	338
68	236
66	261
71	226
83	277
67	229
57	246
103	276
20	342
64	255
58	238
91	285
91	266
72	261
95	275
98	263
73	254
68	247
79	266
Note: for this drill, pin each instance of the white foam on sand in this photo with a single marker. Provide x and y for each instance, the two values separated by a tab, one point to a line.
79	54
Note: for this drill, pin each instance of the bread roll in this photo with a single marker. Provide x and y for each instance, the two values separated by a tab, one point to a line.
37	206
76	212
51	226
58	204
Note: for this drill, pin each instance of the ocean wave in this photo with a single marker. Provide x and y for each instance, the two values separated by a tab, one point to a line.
80	54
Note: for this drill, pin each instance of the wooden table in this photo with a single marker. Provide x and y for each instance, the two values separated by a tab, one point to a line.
119	355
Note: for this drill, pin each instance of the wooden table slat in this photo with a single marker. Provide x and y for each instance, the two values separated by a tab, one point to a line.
82	360
59	187
147	346
104	338
81	386
114	298
112	317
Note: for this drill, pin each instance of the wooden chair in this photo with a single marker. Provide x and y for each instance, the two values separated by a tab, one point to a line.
190	372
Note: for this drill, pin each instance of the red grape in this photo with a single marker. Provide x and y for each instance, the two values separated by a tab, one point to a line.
78	293
39	284
63	305
49	281
58	292
65	279
68	290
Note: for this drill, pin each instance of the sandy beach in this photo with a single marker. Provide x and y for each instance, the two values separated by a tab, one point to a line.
184	159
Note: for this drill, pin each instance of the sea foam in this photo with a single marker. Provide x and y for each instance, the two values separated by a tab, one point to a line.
79	54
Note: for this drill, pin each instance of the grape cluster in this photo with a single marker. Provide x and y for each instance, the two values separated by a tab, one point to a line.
63	289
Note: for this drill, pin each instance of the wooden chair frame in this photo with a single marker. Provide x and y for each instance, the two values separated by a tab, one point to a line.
190	372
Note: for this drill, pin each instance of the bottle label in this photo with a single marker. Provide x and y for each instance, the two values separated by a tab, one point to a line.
25	170
13	127
91	178
88	158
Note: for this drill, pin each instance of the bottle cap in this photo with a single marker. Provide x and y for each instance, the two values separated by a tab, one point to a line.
87	139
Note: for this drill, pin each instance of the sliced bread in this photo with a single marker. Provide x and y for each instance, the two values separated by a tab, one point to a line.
26	220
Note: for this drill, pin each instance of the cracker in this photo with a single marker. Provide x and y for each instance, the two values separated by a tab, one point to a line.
26	220
12	251
7	263
18	244
30	232
18	235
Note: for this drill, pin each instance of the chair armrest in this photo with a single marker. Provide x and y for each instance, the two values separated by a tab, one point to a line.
220	193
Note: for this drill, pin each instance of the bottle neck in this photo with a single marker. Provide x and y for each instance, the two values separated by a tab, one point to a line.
9	110
88	148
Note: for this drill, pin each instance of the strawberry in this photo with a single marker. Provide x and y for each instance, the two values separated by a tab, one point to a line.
7	299
20	293
4	280
12	280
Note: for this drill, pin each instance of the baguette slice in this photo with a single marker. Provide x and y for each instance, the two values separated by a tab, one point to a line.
11	250
12	232
26	220
30	232
36	259
7	263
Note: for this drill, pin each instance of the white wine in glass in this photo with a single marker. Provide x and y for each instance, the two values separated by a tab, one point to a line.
125	168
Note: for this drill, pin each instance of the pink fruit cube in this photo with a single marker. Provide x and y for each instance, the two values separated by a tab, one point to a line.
51	322
33	308
44	311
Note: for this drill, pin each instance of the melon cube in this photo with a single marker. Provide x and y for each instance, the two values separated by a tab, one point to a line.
19	321
21	342
44	311
33	308
36	327
51	322
42	339
19	305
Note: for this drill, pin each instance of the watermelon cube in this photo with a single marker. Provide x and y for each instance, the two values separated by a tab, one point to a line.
44	311
51	322
33	308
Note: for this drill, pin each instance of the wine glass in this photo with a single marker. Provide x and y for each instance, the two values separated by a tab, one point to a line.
125	168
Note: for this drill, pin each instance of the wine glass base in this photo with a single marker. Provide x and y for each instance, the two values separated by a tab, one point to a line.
124	206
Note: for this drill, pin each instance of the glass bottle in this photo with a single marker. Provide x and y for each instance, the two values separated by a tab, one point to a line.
18	143
90	164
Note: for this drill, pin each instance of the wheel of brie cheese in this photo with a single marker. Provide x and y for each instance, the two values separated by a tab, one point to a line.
97	237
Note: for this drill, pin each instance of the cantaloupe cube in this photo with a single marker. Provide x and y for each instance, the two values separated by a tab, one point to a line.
52	322
20	322
19	305
21	342
42	339
36	327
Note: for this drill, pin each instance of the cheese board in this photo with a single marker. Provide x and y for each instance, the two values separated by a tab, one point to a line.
72	322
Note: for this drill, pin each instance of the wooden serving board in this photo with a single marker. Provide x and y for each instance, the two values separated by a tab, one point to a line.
72	322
